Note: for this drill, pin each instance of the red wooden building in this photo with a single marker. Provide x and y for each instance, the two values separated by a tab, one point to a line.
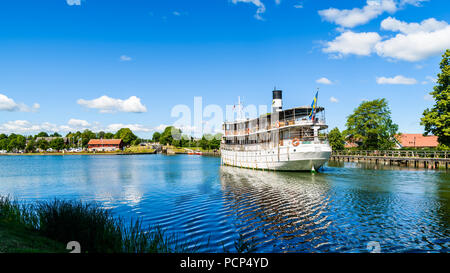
105	145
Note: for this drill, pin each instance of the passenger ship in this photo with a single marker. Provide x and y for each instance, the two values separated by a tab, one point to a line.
284	140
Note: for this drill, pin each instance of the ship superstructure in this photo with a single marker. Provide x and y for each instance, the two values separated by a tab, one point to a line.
285	140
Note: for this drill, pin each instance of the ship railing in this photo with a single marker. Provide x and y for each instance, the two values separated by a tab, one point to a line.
280	124
394	153
272	144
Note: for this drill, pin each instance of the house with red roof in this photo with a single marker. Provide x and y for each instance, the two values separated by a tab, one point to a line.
105	145
417	141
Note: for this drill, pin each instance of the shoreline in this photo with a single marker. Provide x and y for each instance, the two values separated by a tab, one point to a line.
210	154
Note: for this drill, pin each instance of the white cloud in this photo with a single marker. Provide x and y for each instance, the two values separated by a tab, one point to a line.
26	127
334	100
428	97
110	105
396	80
416	41
133	127
176	13
125	58
358	16
73	2
161	127
428	25
431	79
324	81
77	123
261	7
353	43
416	3
298	6
8	104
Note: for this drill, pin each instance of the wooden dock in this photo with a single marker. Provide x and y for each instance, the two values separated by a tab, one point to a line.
417	159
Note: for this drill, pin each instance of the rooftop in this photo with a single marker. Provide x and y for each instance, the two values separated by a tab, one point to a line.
105	141
417	141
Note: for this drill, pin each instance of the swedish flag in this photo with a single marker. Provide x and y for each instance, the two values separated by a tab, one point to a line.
314	106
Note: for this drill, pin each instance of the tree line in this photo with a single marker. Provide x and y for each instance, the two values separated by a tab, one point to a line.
370	126
16	142
173	136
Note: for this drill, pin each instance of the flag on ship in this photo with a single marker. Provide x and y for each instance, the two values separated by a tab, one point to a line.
314	106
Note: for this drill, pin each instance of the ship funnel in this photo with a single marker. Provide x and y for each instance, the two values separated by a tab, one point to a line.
277	103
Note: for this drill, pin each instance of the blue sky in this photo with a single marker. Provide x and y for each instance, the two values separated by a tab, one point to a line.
60	58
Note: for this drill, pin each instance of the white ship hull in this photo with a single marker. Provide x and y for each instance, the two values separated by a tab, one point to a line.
305	157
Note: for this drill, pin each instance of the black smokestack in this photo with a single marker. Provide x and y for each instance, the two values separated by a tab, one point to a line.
277	103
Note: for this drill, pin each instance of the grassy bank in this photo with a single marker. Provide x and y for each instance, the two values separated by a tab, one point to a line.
139	150
48	227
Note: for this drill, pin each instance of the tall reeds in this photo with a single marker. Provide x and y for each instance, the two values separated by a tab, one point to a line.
93	227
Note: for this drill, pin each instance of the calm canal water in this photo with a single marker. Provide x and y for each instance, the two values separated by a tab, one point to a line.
342	209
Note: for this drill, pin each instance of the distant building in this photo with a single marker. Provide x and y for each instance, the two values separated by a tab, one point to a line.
350	144
105	145
416	141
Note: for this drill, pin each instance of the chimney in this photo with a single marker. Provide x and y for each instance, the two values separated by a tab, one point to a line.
277	103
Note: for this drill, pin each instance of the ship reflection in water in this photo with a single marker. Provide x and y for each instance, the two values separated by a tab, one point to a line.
278	210
341	210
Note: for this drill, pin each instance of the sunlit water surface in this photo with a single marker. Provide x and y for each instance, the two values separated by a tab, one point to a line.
342	209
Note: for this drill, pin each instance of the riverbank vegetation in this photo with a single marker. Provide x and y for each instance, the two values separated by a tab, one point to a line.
48	226
437	119
55	142
173	136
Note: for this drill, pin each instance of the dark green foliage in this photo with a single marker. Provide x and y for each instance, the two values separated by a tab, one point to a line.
169	134
42	134
371	126
94	228
126	135
336	139
31	146
437	119
42	144
57	144
156	136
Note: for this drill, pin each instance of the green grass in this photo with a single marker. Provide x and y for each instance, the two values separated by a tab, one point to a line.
15	238
49	226
139	149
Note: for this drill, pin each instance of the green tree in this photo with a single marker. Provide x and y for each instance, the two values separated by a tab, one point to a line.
371	125
19	142
437	119
42	144
169	134
86	136
55	134
42	134
204	143
109	136
136	142
336	139
156	136
101	134
57	144
126	135
4	144
31	146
